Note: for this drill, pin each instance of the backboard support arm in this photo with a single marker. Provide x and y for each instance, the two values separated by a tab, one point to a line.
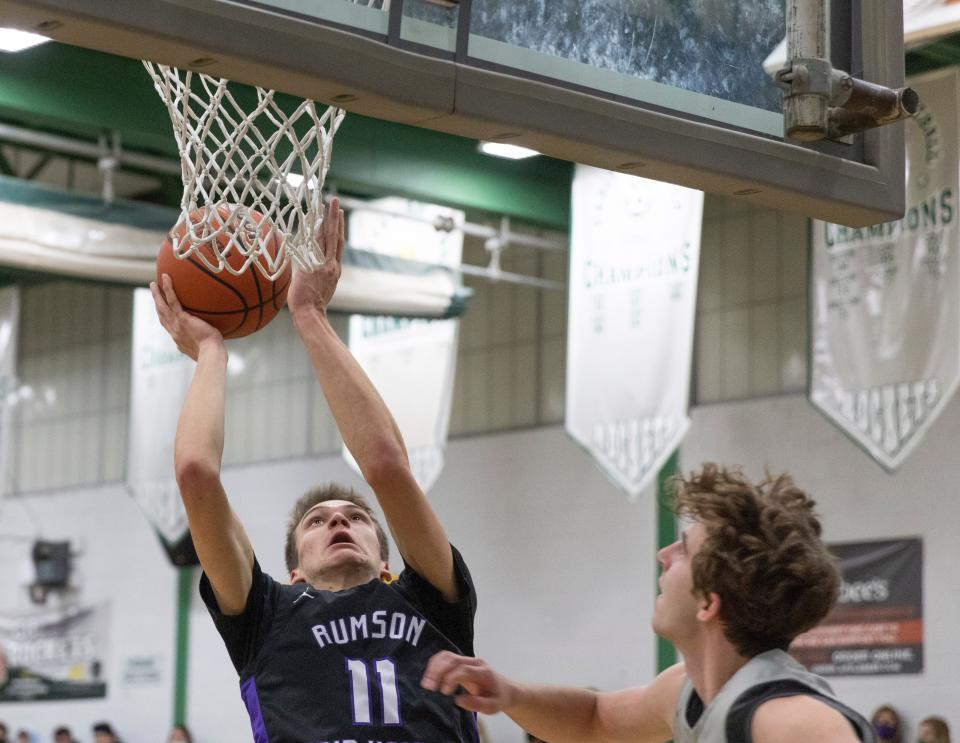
821	102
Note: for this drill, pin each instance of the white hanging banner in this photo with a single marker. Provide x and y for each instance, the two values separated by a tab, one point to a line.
160	376
411	362
68	233
9	325
885	340
634	256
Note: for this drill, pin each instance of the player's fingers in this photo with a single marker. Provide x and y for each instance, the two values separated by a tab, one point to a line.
328	230
158	299
342	238
437	667
452	671
169	294
331	223
163	309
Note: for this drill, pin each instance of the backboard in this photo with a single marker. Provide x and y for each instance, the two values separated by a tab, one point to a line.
673	91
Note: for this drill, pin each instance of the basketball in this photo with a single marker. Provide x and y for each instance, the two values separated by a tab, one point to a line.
235	305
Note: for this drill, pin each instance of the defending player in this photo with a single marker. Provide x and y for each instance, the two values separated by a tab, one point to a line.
749	574
337	654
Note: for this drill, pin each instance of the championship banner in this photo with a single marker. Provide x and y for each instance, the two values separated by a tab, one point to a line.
634	255
411	362
885	301
160	376
876	628
55	654
9	326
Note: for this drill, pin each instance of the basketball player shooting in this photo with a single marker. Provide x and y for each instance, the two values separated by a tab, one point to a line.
337	653
749	574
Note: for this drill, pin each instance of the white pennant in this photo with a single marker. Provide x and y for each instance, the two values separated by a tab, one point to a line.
633	284
160	376
885	342
411	362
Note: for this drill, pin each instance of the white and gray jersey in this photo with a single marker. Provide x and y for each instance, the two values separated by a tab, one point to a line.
728	717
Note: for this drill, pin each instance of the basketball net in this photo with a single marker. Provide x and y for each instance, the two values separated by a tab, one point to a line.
246	158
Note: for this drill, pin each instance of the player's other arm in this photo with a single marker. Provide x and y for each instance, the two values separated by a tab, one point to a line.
560	714
365	423
800	719
220	540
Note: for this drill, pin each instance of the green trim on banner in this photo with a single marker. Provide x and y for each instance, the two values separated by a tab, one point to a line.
184	592
360	258
666	534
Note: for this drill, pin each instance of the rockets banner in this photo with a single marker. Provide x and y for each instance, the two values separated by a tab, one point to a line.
634	253
885	300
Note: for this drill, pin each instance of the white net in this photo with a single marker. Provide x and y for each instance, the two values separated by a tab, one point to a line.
240	156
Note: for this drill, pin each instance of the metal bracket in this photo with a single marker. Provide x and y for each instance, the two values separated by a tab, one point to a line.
821	102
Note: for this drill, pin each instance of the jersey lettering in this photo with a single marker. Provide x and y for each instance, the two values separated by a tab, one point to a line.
398	626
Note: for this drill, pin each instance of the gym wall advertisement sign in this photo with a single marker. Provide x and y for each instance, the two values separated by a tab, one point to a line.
876	628
54	654
885	300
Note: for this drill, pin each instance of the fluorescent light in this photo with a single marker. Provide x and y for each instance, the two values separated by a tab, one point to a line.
12	40
509	151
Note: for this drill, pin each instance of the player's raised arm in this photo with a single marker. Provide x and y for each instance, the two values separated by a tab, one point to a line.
220	540
365	423
560	714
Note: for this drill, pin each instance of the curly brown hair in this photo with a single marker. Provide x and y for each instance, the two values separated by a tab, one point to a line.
321	494
762	556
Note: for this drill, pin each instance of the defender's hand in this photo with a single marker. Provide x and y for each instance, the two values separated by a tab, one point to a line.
313	290
481	689
188	331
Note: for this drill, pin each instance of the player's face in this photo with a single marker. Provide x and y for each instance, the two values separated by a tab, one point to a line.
675	610
336	535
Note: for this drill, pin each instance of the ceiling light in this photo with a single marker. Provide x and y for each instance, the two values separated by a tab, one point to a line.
509	151
12	40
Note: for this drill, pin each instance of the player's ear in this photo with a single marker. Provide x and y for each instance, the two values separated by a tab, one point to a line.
709	607
385	575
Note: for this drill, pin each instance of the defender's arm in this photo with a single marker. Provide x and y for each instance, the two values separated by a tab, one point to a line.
559	714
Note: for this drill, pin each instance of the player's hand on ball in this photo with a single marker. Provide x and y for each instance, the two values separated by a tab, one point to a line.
311	290
476	686
188	331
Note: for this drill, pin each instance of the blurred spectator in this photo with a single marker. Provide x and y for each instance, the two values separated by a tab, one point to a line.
103	733
62	735
23	737
934	730
886	724
3	733
180	734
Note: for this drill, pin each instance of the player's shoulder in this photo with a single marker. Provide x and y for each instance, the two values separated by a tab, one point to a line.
800	719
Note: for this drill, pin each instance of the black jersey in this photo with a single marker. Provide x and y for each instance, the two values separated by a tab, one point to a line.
323	666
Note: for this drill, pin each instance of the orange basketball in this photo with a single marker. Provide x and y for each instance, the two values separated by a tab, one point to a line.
235	305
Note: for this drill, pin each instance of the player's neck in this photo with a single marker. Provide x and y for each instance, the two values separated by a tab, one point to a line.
340	579
710	663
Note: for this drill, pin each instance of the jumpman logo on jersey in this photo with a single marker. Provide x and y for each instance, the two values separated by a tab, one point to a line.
306	592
